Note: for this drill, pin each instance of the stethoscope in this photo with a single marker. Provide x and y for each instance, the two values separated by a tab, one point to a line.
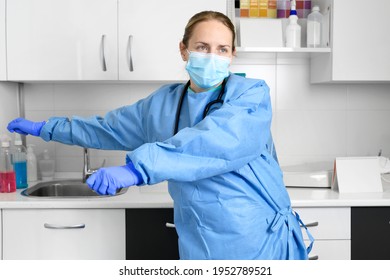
219	100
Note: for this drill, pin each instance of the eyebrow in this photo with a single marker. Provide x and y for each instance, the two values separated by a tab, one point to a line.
204	43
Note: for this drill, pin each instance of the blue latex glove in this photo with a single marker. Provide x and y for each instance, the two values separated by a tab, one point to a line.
23	126
108	180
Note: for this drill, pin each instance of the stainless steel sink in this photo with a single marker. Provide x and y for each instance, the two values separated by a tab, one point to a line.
64	189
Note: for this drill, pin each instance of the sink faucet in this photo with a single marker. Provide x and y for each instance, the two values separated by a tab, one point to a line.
87	170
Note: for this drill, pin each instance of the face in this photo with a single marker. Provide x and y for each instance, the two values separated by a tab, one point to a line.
209	37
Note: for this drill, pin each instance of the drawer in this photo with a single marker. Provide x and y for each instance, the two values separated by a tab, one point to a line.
63	234
326	222
330	250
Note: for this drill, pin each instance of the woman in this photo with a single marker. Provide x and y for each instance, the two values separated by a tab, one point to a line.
229	198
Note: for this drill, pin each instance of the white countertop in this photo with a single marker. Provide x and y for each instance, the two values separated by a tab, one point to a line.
157	197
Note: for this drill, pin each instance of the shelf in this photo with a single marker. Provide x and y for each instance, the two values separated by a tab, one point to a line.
281	50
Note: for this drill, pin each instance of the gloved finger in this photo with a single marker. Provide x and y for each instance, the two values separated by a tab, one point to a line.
12	125
103	184
111	190
17	130
91	181
96	184
103	188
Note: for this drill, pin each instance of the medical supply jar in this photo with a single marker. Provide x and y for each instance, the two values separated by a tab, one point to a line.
314	28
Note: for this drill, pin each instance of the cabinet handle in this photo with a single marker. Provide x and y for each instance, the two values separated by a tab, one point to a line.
313	258
102	44
52	226
314	224
170	225
130	53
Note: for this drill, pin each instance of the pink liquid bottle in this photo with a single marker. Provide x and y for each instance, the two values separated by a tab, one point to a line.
7	173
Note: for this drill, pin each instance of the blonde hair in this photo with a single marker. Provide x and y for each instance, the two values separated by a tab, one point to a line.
206	16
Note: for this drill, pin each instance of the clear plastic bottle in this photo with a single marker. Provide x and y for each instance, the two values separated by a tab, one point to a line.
7	173
19	161
314	28
293	29
46	166
32	165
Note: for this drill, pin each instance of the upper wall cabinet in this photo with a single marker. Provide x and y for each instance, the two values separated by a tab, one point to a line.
3	68
85	40
62	40
149	36
360	43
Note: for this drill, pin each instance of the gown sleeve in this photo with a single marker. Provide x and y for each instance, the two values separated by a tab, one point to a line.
120	129
226	140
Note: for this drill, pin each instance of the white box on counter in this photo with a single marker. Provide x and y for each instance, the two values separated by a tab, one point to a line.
357	175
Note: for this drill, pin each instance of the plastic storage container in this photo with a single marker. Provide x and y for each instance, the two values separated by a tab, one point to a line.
293	29
314	28
7	173
32	165
46	166
19	161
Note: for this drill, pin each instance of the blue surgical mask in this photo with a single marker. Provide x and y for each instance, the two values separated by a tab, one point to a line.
206	69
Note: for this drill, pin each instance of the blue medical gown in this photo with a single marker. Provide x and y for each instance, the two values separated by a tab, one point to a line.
230	201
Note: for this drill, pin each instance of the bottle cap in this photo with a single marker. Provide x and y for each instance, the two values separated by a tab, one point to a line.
5	141
18	140
315	9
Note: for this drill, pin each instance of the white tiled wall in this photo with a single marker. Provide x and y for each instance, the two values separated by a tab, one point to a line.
311	122
8	104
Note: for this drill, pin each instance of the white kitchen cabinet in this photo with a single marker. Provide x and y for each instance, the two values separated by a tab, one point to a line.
63	234
360	43
62	40
149	36
331	229
3	68
78	39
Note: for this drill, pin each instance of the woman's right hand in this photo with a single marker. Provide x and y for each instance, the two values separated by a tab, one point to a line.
25	127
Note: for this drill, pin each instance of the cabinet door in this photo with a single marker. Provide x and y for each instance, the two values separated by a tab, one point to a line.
370	233
148	237
63	234
3	64
62	39
360	43
149	36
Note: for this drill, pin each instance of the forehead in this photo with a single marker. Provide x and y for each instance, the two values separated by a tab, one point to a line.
212	32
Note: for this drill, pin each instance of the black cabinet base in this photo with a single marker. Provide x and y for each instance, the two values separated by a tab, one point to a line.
370	233
148	238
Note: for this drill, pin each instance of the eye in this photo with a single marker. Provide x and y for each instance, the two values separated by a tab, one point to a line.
202	48
224	50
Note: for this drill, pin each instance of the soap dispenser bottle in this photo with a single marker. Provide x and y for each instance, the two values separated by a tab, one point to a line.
293	29
7	173
46	166
32	165
19	161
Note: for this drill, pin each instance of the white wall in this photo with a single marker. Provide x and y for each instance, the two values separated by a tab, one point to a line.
8	104
311	123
